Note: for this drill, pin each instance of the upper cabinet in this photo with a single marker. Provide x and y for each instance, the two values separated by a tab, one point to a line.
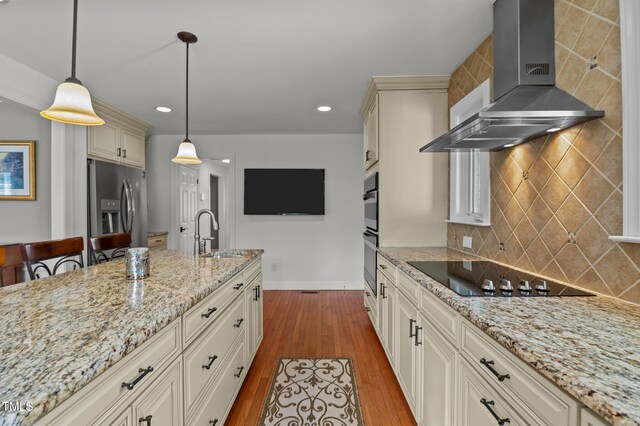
120	140
371	135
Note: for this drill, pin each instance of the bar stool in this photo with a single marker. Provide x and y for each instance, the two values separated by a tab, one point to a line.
66	251
11	271
99	246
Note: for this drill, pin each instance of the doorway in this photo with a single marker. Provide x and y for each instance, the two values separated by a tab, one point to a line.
214	204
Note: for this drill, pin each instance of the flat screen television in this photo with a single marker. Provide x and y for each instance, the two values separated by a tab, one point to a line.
284	191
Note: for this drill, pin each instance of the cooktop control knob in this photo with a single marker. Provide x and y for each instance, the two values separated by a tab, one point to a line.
542	286
488	285
524	286
505	285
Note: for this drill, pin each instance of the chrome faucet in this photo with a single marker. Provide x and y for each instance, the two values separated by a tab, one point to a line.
200	244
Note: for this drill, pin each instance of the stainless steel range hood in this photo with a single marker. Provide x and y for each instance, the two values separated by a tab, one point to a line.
528	104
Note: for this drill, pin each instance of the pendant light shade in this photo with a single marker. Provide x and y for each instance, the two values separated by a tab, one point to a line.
72	104
187	154
187	150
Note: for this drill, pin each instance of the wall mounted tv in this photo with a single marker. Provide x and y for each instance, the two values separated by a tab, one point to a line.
284	191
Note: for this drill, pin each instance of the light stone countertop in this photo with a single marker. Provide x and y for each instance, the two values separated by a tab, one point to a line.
59	333
587	346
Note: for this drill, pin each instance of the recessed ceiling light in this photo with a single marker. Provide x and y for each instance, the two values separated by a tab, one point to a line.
553	129
324	108
163	109
226	160
509	145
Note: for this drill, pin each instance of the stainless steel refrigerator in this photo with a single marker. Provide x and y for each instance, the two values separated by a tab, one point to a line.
117	201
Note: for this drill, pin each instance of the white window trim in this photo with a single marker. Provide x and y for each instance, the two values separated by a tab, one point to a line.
479	98
630	45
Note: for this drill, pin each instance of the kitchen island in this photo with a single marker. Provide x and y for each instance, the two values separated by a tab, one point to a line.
60	334
589	347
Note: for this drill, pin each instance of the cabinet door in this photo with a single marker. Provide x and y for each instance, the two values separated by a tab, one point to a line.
390	312
124	419
382	308
407	350
161	403
249	295
133	148
480	405
104	142
371	136
587	418
438	364
258	313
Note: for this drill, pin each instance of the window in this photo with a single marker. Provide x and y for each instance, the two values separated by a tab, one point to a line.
470	181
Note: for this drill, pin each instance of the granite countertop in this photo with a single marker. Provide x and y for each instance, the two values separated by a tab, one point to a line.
588	346
59	333
156	234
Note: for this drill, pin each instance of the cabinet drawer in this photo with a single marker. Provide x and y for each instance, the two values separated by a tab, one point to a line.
387	268
205	312
252	271
480	405
204	358
107	390
549	404
442	316
160	241
219	398
409	287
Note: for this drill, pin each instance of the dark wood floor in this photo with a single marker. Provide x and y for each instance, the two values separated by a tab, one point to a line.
326	324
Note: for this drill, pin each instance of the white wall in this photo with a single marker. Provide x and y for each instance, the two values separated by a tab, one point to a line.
321	252
26	221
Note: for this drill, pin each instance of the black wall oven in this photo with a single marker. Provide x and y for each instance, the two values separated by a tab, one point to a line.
371	230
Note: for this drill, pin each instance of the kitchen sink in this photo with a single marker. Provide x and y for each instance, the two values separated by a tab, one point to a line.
224	254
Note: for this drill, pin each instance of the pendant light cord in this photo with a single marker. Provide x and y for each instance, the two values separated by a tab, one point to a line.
75	36
187	118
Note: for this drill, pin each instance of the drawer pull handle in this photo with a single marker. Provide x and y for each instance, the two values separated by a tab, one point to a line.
382	266
382	292
489	405
238	286
209	312
143	371
212	359
213	422
239	373
489	365
256	297
146	420
411	321
416	336
119	152
259	292
237	324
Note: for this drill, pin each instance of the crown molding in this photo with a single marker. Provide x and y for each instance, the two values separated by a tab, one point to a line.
123	118
402	82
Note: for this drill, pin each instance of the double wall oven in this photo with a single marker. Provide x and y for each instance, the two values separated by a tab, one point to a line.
370	230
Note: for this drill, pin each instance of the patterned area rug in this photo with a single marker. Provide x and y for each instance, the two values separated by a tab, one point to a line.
312	392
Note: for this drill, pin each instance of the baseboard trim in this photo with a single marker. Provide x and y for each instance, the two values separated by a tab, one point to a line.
313	285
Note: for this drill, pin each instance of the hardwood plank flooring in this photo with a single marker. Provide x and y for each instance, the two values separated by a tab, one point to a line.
326	324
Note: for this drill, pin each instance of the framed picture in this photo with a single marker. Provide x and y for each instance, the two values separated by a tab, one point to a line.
17	170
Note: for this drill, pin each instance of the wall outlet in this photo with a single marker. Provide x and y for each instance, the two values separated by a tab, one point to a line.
274	267
467	242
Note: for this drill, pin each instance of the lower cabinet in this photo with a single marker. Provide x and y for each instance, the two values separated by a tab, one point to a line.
408	350
438	377
161	404
388	322
253	306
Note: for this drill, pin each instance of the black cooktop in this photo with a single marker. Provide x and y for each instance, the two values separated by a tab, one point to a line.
467	278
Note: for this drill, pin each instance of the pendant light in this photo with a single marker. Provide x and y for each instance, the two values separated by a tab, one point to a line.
187	150
72	104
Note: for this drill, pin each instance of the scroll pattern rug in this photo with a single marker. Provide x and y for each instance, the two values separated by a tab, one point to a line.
312	392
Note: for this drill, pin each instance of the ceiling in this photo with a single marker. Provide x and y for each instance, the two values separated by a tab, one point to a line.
258	67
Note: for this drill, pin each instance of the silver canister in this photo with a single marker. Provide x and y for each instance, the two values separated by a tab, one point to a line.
138	266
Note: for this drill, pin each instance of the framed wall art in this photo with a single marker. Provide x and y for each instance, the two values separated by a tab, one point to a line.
17	170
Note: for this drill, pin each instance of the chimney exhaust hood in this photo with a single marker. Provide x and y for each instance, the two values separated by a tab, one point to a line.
528	105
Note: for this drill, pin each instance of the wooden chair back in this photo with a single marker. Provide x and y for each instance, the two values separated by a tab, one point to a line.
99	247
67	251
11	271
2	256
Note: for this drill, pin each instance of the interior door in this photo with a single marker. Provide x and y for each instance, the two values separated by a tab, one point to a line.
188	208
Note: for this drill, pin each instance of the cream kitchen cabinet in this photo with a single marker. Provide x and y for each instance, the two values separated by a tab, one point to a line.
438	377
122	139
388	303
253	301
587	418
161	403
409	337
371	135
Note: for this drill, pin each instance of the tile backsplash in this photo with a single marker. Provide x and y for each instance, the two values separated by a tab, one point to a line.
556	199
